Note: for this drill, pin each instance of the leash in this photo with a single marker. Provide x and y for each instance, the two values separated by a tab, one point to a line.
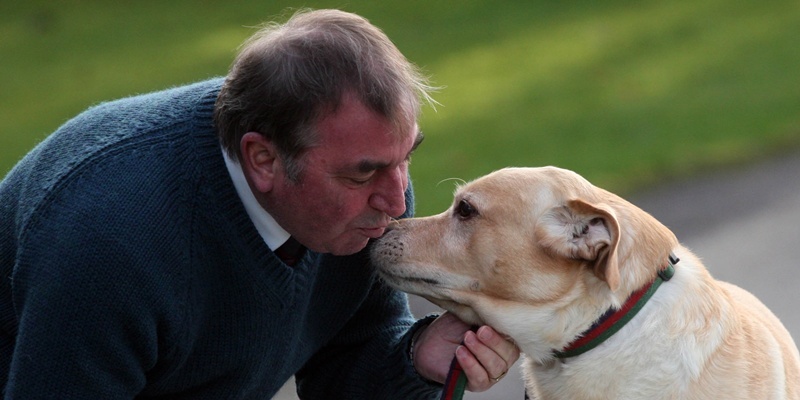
456	382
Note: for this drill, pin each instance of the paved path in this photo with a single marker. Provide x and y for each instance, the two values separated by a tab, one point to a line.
743	222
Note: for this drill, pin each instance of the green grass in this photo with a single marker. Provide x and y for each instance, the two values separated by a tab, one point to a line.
629	94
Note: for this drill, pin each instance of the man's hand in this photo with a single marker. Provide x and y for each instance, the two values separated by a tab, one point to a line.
485	356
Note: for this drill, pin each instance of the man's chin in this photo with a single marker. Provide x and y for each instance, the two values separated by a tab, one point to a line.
349	247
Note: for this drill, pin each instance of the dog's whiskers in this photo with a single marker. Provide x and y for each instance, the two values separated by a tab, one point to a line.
459	181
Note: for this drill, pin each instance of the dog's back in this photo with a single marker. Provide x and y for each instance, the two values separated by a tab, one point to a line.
764	344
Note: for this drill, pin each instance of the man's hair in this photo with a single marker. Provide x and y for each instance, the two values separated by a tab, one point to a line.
288	76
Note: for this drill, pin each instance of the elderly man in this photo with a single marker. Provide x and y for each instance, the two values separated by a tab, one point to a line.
205	242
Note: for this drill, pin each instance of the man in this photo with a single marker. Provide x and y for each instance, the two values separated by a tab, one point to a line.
140	258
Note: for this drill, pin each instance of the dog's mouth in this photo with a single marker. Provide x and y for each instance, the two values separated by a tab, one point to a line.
427	281
403	281
435	291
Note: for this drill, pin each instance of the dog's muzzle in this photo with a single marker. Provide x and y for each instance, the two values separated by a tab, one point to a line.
388	249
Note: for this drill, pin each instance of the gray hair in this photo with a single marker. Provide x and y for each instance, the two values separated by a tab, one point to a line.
288	76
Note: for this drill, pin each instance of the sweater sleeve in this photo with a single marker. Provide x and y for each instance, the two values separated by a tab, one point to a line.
80	333
90	302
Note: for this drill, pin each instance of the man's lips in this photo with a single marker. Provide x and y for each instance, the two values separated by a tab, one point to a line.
374	233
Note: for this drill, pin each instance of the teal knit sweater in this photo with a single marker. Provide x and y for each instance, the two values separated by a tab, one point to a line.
130	269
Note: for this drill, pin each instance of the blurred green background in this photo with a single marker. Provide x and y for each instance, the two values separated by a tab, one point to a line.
629	94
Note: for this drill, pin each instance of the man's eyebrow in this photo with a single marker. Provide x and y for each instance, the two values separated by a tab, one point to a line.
366	166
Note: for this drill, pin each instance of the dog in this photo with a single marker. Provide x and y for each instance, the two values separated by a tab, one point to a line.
602	299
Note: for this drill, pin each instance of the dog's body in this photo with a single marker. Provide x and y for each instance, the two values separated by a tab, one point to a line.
540	254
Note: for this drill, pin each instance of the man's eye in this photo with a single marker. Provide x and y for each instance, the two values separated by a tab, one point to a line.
359	181
465	210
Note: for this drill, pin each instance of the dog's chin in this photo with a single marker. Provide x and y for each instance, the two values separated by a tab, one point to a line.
419	286
426	288
462	311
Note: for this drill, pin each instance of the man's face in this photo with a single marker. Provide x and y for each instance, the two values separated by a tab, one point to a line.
353	181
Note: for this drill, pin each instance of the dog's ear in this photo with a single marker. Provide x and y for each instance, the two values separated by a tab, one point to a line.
584	231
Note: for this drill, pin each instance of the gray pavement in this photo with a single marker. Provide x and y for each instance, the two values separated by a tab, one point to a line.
744	223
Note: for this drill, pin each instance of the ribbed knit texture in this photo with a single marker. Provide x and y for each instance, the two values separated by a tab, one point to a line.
130	269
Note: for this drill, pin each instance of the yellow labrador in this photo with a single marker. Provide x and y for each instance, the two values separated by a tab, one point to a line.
600	296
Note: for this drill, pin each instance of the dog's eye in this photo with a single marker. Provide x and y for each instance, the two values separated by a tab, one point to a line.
465	210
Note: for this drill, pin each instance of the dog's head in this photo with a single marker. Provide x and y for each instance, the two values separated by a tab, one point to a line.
523	239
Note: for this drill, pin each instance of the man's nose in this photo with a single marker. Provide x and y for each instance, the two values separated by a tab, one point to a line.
389	196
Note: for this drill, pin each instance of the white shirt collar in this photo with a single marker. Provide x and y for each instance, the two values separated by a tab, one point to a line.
274	235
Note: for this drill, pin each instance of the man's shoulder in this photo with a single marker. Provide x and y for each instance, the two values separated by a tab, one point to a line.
123	141
140	113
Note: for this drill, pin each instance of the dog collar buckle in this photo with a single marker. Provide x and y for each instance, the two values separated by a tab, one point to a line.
667	273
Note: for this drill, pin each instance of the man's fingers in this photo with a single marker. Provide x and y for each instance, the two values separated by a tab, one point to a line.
488	359
477	377
504	347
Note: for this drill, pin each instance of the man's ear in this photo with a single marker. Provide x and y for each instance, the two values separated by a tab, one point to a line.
259	158
583	231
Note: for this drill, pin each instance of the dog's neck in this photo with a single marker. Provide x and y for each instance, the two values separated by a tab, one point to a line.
614	319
